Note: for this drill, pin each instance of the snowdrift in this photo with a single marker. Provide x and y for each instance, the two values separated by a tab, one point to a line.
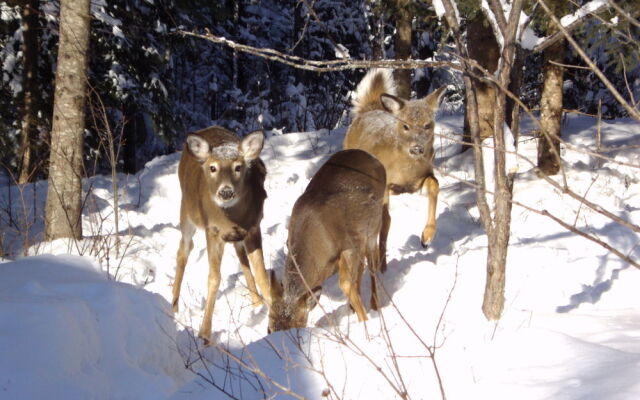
570	328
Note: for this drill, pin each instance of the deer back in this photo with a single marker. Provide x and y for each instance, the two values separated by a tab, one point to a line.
341	209
222	180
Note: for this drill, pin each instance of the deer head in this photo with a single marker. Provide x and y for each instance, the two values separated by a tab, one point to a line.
224	166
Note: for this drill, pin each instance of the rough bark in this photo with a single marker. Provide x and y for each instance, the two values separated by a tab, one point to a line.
402	46
64	195
29	131
551	100
483	48
493	303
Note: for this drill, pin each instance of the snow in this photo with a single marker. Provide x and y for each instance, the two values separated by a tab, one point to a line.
582	12
570	329
68	332
440	10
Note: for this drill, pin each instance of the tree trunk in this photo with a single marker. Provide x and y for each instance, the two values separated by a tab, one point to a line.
483	48
402	45
130	139
28	131
377	41
513	109
551	100
64	196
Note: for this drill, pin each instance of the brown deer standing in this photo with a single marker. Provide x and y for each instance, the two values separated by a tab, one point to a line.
400	134
335	225
222	183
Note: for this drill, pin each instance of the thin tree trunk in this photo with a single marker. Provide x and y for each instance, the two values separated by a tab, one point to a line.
28	131
377	41
493	303
402	46
498	225
64	195
551	100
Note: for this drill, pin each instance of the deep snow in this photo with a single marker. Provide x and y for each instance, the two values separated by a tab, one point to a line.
570	328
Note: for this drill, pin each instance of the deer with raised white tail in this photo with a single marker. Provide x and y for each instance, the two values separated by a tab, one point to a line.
222	183
335	226
400	134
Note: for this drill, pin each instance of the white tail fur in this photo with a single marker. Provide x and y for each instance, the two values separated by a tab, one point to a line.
367	95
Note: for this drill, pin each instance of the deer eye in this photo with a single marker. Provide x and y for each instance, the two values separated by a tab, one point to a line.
238	168
212	168
405	127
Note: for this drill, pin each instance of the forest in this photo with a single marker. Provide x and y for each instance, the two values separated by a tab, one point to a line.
536	155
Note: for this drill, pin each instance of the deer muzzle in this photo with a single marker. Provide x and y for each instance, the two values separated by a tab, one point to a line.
416	150
226	193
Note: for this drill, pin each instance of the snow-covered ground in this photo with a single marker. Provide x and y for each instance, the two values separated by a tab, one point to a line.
570	330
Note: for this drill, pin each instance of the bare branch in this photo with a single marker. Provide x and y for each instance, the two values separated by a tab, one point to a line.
322	65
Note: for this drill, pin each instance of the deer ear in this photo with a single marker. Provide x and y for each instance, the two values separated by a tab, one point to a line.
434	98
251	145
198	147
391	103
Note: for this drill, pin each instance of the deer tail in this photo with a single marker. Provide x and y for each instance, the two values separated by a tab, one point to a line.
367	95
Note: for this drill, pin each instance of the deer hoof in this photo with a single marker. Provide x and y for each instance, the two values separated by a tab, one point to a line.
205	340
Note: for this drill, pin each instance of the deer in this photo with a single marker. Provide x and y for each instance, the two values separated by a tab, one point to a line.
335	226
222	183
399	133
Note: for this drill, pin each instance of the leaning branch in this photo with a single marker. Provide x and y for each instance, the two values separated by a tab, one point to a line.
319	65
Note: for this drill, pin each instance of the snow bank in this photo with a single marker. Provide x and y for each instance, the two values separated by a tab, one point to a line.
68	332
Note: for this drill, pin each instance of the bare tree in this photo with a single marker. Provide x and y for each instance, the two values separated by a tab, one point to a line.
64	195
402	46
551	101
496	220
29	47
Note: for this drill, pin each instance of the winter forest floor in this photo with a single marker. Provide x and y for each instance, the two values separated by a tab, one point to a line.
98	324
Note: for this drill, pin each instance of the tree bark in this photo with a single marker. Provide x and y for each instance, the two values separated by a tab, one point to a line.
483	48
551	100
377	41
498	236
28	131
64	196
402	45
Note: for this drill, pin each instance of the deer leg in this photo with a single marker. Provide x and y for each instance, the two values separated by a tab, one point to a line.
432	188
350	273
248	276
375	305
215	248
374	262
384	233
186	245
253	246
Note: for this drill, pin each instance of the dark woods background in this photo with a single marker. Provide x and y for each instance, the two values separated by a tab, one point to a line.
148	85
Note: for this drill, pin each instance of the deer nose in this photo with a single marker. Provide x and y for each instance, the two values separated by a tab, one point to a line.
416	150
226	193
